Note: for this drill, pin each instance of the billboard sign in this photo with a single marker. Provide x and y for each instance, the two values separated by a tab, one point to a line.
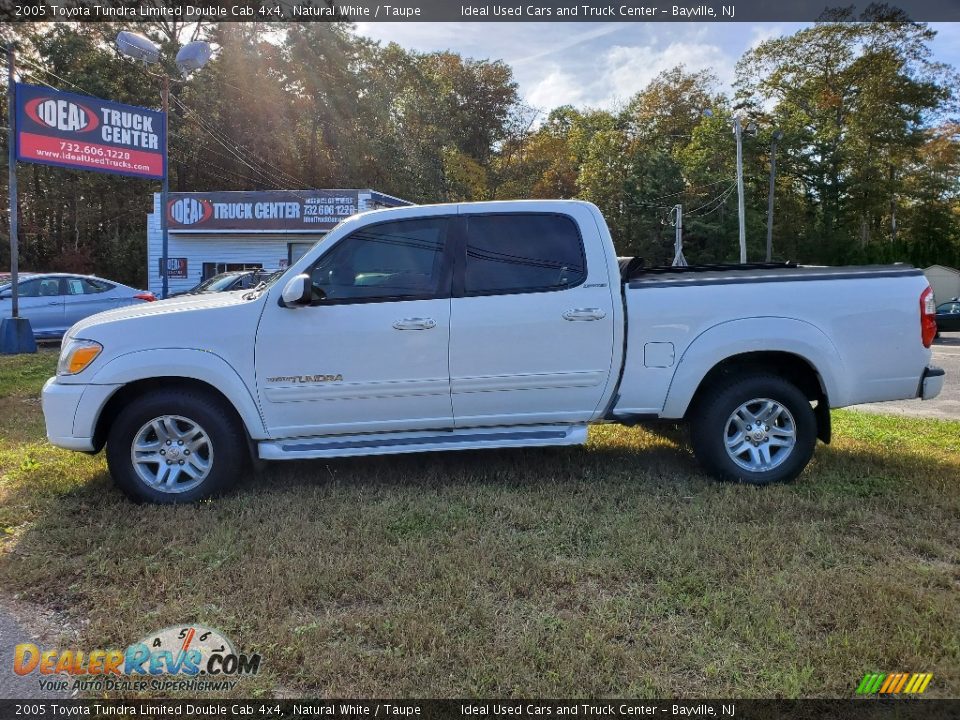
85	133
296	210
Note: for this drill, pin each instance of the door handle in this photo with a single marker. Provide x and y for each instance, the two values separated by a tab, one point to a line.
415	324
584	314
54	302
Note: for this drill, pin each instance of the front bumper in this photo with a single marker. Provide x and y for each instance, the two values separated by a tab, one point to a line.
60	404
71	412
931	382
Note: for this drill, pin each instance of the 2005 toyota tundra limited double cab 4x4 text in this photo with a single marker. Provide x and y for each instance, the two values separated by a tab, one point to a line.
485	325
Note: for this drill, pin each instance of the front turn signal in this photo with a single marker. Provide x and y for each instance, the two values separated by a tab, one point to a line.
77	355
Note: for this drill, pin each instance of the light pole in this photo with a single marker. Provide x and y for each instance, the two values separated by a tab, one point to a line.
16	334
190	57
775	138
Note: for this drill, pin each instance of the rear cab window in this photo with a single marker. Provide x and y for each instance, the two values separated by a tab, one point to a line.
522	252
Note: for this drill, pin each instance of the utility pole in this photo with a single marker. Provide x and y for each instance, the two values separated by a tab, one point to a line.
678	259
738	133
776	137
16	335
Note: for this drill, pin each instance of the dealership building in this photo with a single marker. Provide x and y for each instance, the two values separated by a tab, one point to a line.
213	232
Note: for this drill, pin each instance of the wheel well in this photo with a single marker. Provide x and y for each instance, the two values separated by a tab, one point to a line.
137	388
790	367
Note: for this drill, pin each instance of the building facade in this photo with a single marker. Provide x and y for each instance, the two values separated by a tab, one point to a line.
213	232
945	282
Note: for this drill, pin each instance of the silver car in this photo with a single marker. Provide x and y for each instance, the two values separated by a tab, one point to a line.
55	301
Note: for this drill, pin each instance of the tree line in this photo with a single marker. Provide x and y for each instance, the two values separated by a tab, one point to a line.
868	163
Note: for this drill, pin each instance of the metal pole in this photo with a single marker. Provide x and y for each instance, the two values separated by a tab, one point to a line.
737	131
11	145
165	191
773	180
678	259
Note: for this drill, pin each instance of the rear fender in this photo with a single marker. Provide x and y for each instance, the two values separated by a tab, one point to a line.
763	334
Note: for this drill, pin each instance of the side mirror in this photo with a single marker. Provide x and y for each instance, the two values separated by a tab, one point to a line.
6	294
297	292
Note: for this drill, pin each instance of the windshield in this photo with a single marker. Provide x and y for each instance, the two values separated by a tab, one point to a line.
268	280
216	283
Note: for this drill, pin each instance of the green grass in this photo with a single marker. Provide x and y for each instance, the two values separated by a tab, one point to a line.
612	570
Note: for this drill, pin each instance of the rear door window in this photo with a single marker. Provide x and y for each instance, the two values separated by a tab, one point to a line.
522	252
86	286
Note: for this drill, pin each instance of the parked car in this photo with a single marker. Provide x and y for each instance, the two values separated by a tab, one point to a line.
486	325
227	281
948	316
55	301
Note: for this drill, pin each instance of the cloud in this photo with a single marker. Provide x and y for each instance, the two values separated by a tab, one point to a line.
558	87
628	69
601	64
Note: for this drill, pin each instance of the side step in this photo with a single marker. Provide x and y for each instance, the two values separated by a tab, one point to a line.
424	441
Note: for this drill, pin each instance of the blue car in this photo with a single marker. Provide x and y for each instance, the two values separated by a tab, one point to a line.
55	301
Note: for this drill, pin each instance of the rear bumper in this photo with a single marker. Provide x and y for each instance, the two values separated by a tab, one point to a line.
931	382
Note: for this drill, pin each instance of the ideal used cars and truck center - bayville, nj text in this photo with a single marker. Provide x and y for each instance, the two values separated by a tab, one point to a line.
375	12
390	335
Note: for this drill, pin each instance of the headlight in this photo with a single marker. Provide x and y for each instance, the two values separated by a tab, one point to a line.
76	355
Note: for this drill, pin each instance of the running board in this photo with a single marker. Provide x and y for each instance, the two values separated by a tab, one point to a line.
426	441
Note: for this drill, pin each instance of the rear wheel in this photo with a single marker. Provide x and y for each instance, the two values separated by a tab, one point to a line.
175	446
756	429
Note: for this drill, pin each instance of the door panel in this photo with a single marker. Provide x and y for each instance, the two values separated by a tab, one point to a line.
371	353
84	298
533	343
41	302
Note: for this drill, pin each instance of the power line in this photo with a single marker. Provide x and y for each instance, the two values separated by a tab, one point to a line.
277	173
234	151
718	202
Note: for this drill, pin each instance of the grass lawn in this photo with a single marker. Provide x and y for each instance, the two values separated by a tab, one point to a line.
618	569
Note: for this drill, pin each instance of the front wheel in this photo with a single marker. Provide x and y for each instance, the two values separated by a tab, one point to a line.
175	446
757	429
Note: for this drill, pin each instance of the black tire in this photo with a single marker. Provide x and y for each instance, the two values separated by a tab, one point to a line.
223	444
712	413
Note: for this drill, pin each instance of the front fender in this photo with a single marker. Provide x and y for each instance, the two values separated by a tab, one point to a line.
761	334
199	365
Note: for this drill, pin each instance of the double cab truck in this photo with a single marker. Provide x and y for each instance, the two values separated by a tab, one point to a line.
485	325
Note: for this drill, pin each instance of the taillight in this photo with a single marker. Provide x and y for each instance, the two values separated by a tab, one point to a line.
928	317
146	296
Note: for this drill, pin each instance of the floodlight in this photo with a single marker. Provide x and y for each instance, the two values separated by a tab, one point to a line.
137	47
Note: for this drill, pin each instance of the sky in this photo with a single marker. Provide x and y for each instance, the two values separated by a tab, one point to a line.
603	64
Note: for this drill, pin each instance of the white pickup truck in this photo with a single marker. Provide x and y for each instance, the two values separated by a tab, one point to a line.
485	325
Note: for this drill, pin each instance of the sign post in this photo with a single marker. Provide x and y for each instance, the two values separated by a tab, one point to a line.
16	335
164	194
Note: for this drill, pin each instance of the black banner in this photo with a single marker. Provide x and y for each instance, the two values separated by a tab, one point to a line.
479	10
488	709
260	210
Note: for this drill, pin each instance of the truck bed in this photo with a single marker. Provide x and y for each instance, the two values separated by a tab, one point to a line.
858	326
